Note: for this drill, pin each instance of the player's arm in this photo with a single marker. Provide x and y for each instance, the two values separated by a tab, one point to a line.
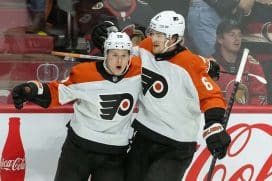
224	6
213	105
44	94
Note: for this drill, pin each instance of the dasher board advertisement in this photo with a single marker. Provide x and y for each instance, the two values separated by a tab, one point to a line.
42	136
249	156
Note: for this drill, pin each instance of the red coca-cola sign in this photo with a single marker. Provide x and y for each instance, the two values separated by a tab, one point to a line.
12	165
244	161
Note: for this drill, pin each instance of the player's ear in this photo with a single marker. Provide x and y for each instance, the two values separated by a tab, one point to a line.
174	38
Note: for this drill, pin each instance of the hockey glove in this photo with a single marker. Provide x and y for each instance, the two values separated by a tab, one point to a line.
22	93
214	70
217	140
101	32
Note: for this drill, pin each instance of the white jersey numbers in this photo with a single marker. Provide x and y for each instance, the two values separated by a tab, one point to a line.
206	83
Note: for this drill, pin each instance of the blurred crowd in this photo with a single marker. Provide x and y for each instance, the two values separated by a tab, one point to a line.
218	29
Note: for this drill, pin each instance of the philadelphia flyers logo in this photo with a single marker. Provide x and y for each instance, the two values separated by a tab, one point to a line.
115	103
154	83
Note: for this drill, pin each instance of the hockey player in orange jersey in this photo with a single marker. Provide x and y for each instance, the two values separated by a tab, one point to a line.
104	95
176	89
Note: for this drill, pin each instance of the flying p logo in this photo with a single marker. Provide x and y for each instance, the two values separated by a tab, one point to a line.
155	83
115	103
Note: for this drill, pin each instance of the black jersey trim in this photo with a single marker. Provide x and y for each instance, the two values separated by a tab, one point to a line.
88	145
156	137
168	55
106	75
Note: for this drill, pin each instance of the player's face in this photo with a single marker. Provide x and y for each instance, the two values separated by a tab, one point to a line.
231	41
158	41
117	61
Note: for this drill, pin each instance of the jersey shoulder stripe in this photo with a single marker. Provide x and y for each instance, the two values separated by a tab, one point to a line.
85	72
80	73
135	67
146	44
189	61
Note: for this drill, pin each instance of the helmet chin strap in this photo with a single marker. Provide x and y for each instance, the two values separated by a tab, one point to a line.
126	69
106	67
167	47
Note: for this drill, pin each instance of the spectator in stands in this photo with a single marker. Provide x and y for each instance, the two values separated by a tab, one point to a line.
258	38
37	15
122	12
228	55
202	21
175	5
204	17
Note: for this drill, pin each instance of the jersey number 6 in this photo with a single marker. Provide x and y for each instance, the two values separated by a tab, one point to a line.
206	83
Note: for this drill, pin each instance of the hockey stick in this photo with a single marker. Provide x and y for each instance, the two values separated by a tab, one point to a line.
259	78
76	55
230	104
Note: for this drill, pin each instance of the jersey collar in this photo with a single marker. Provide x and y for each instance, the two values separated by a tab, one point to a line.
106	75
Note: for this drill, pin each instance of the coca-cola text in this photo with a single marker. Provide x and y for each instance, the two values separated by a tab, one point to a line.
13	165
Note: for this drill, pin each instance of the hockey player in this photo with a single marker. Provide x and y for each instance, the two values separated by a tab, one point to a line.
176	89
104	94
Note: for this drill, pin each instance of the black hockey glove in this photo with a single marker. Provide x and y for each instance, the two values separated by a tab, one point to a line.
101	32
217	140
22	93
214	70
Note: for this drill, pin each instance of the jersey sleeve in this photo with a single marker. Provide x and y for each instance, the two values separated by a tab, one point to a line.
57	91
210	95
146	44
63	92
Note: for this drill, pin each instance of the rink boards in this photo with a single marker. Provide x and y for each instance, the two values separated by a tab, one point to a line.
249	156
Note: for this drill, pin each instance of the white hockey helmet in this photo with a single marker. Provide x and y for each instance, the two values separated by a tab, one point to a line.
117	40
168	22
120	41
